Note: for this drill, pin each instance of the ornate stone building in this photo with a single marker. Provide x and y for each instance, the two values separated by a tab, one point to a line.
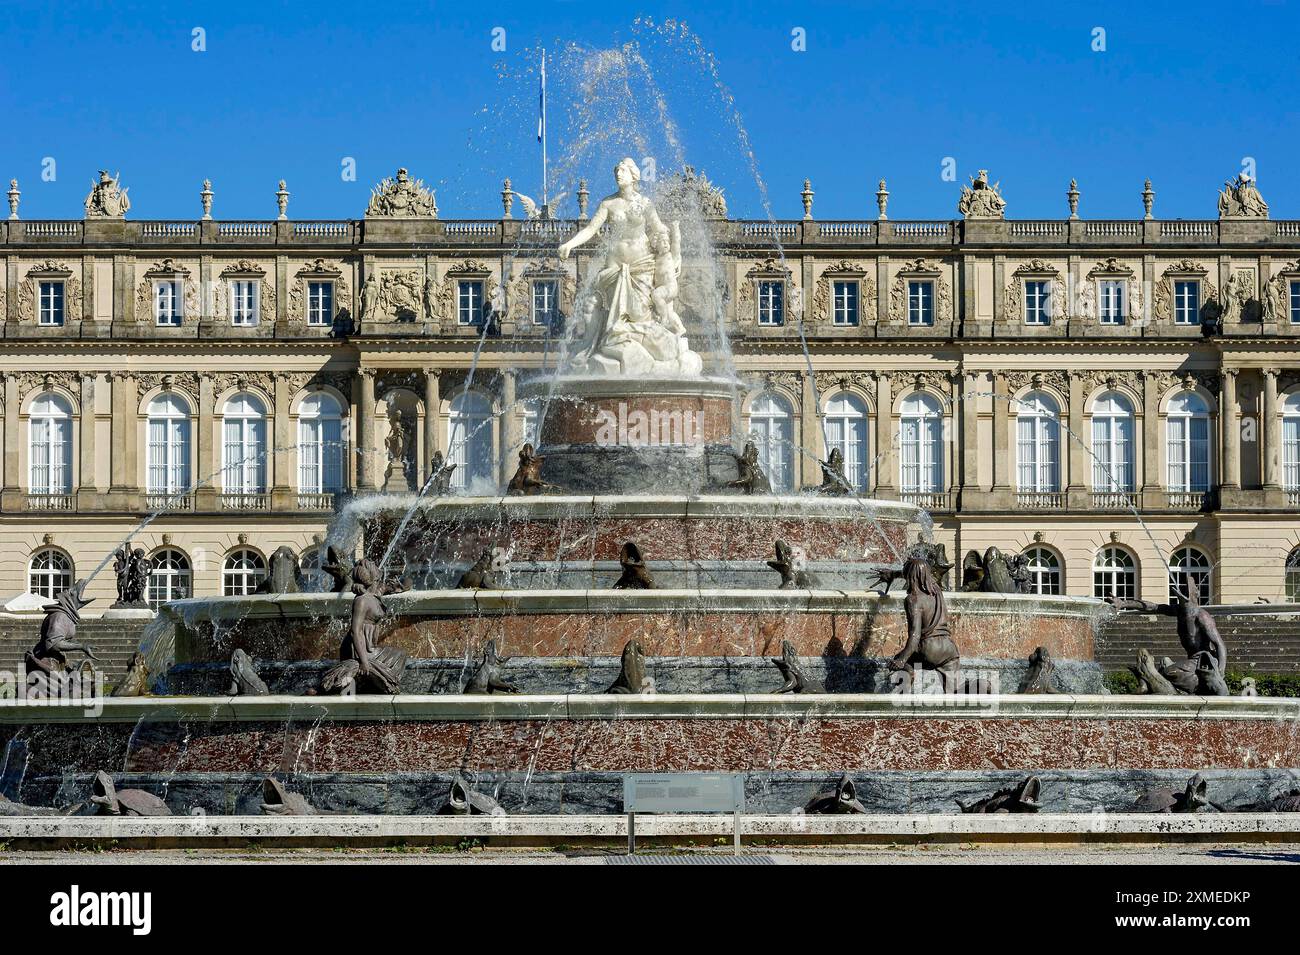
1117	396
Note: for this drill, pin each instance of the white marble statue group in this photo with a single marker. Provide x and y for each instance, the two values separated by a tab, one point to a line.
629	325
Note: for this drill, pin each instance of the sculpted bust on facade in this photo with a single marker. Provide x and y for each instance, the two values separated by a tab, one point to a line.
107	200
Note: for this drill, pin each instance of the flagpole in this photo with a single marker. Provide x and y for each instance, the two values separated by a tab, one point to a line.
544	172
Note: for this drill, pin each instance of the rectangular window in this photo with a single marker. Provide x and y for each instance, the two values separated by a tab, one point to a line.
1187	302
1112	460
546	301
51	305
1038	302
167	303
846	303
1110	296
771	302
1291	453
469	303
920	303
920	465
1294	288
243	303
320	303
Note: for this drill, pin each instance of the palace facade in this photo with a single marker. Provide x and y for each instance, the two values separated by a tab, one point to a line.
1116	397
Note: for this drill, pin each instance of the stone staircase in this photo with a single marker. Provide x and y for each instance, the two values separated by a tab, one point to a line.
112	640
1264	638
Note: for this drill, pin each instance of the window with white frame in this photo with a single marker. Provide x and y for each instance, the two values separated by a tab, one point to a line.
321	451
1110	301
845	427
243	302
1044	571
1112	444
50	573
50	445
920	431
242	573
771	428
243	445
469	439
167	465
771	302
50	307
1187	302
167	302
320	303
1291	441
170	577
1292	576
1038	444
1293	300
1038	302
844	300
1189	574
1114	574
920	302
469	302
546	301
1187	447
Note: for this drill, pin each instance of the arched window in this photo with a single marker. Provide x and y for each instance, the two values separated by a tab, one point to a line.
1038	444
920	439
771	427
1044	571
168	461
244	445
469	439
1292	580
1189	572
170	578
50	573
1114	574
845	428
242	572
1112	444
50	450
1291	442
1187	429
320	445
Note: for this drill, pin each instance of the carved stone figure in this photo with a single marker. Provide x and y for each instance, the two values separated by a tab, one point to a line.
929	640
528	477
278	800
1191	799
487	678
1248	687
1207	655
1240	199
136	680
339	569
621	333
790	667
364	665
429	298
632	677
441	469
284	575
834	482
752	480
462	800
124	802
1039	677
839	799
1014	799
980	200
635	575
132	568
403	198
791	564
244	680
370	298
488	573
59	633
107	199
398	444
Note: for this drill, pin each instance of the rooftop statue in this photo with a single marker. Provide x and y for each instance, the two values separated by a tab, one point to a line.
631	675
132	568
980	200
107	200
929	640
630	326
363	663
402	198
1240	199
1207	655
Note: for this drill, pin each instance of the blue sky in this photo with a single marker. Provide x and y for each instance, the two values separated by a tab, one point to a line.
1182	93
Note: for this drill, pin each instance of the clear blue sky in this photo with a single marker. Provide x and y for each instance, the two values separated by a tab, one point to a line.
1182	92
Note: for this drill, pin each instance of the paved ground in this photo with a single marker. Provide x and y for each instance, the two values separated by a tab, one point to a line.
950	855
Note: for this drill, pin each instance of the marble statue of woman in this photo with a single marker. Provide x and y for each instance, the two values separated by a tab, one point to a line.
629	330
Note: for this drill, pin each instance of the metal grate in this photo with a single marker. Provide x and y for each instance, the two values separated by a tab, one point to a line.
689	859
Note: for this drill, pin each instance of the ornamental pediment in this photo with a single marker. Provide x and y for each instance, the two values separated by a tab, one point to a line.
167	268
244	267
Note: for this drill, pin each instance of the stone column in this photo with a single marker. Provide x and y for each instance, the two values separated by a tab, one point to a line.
1077	488
970	445
1152	480
885	466
507	429
281	457
1001	436
12	485
1270	434
123	429
86	486
806	466
1230	432
205	496
366	431
432	415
